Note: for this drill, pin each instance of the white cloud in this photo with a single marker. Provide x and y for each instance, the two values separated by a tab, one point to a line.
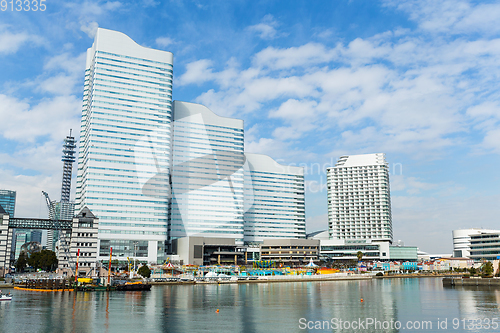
89	13
266	29
452	16
90	28
302	56
164	41
197	72
11	42
51	117
29	200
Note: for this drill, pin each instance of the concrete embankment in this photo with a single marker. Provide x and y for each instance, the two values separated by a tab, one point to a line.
471	282
6	286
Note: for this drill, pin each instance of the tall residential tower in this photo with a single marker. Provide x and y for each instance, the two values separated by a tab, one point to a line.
359	200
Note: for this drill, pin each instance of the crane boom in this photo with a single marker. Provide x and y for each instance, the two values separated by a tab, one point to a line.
63	243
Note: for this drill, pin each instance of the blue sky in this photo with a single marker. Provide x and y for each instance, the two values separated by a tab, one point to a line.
417	80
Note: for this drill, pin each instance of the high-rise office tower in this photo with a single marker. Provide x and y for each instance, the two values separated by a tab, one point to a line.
125	144
152	170
274	200
207	174
359	200
8	201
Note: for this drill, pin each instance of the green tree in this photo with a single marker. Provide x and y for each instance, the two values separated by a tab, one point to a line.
144	271
21	262
359	255
487	268
44	259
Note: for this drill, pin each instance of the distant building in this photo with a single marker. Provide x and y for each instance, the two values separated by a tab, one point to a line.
343	249
321	234
290	252
8	205
8	201
462	240
274	200
485	245
340	249
359	201
207	251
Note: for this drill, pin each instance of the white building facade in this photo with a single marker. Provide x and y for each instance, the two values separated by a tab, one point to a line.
125	144
274	200
207	174
152	170
359	202
462	240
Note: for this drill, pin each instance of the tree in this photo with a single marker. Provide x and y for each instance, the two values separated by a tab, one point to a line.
487	268
44	259
144	271
21	262
359	255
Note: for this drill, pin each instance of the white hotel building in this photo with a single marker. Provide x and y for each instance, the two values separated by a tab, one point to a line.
152	170
359	202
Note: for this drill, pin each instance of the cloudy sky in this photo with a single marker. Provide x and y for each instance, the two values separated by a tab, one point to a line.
313	80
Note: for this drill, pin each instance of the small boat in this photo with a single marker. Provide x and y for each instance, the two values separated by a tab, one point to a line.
6	297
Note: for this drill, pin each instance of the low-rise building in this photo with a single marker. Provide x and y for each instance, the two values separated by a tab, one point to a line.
344	249
290	252
208	251
485	245
462	240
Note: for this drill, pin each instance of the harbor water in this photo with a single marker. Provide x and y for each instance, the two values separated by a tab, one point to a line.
378	305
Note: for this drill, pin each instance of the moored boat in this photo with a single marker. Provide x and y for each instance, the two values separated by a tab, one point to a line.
133	286
5	297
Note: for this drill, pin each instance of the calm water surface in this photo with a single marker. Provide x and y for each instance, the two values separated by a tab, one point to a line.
275	307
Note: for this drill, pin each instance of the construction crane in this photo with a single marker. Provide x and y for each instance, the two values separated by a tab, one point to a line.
64	242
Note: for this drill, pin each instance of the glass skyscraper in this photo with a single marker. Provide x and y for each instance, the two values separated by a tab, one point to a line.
207	174
8	201
274	200
126	137
152	170
359	199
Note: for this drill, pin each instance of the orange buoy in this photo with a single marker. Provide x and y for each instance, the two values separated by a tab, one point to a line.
362	300
217	311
